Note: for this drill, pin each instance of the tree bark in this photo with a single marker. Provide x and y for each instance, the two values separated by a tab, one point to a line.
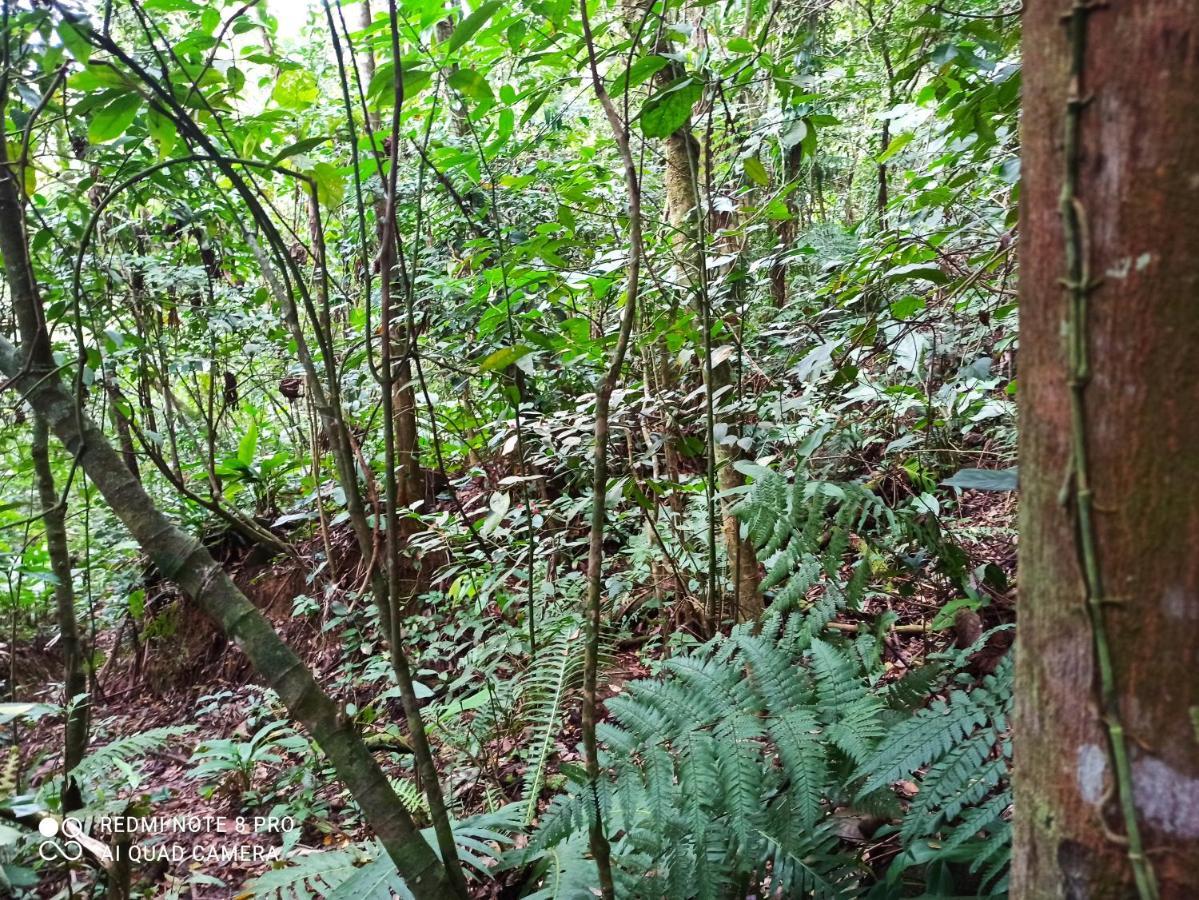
74	678
1109	607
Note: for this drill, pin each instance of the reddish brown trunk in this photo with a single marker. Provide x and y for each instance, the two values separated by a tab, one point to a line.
1138	185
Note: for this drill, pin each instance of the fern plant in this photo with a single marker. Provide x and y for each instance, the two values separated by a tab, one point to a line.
556	671
365	871
735	771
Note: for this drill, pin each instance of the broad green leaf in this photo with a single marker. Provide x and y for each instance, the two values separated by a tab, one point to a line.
741	45
295	90
471	24
110	121
471	84
777	211
381	91
504	357
415	81
72	37
638	72
897	144
665	112
162	130
906	307
247	448
299	147
928	271
330	186
756	171
94	76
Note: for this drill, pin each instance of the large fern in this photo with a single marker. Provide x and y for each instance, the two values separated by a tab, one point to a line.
732	772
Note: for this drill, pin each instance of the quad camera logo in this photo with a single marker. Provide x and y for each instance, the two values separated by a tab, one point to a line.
60	840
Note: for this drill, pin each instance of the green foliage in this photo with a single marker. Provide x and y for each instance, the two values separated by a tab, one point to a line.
870	342
96	766
232	762
737	766
547	685
365	871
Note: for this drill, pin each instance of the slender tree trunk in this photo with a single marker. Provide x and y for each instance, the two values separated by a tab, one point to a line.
402	479
74	678
183	559
403	391
682	196
1107	755
600	848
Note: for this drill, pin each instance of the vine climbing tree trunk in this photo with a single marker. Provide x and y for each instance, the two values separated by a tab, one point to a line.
1107	748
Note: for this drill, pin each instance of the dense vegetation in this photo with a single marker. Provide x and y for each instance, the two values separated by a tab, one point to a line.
611	405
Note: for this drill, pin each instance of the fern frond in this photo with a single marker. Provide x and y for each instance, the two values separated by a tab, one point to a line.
921	739
557	670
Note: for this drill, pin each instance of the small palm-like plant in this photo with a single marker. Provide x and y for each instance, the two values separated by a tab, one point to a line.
233	762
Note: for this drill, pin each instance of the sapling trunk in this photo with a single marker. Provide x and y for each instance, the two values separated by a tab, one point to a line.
74	677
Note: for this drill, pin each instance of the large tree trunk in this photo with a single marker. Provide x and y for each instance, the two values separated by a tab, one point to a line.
1109	629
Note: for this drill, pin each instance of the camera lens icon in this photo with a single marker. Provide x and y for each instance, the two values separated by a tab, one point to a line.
67	849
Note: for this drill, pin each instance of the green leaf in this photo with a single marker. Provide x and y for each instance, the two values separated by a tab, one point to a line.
236	78
467	27
471	84
741	45
945	618
299	147
504	357
794	135
928	271
295	90
777	211
415	81
330	186
110	121
97	75
137	603
756	171
895	146
984	479
905	307
248	446
638	72
72	37
162	130
664	113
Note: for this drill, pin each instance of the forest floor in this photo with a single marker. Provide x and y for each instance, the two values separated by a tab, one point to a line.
192	677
